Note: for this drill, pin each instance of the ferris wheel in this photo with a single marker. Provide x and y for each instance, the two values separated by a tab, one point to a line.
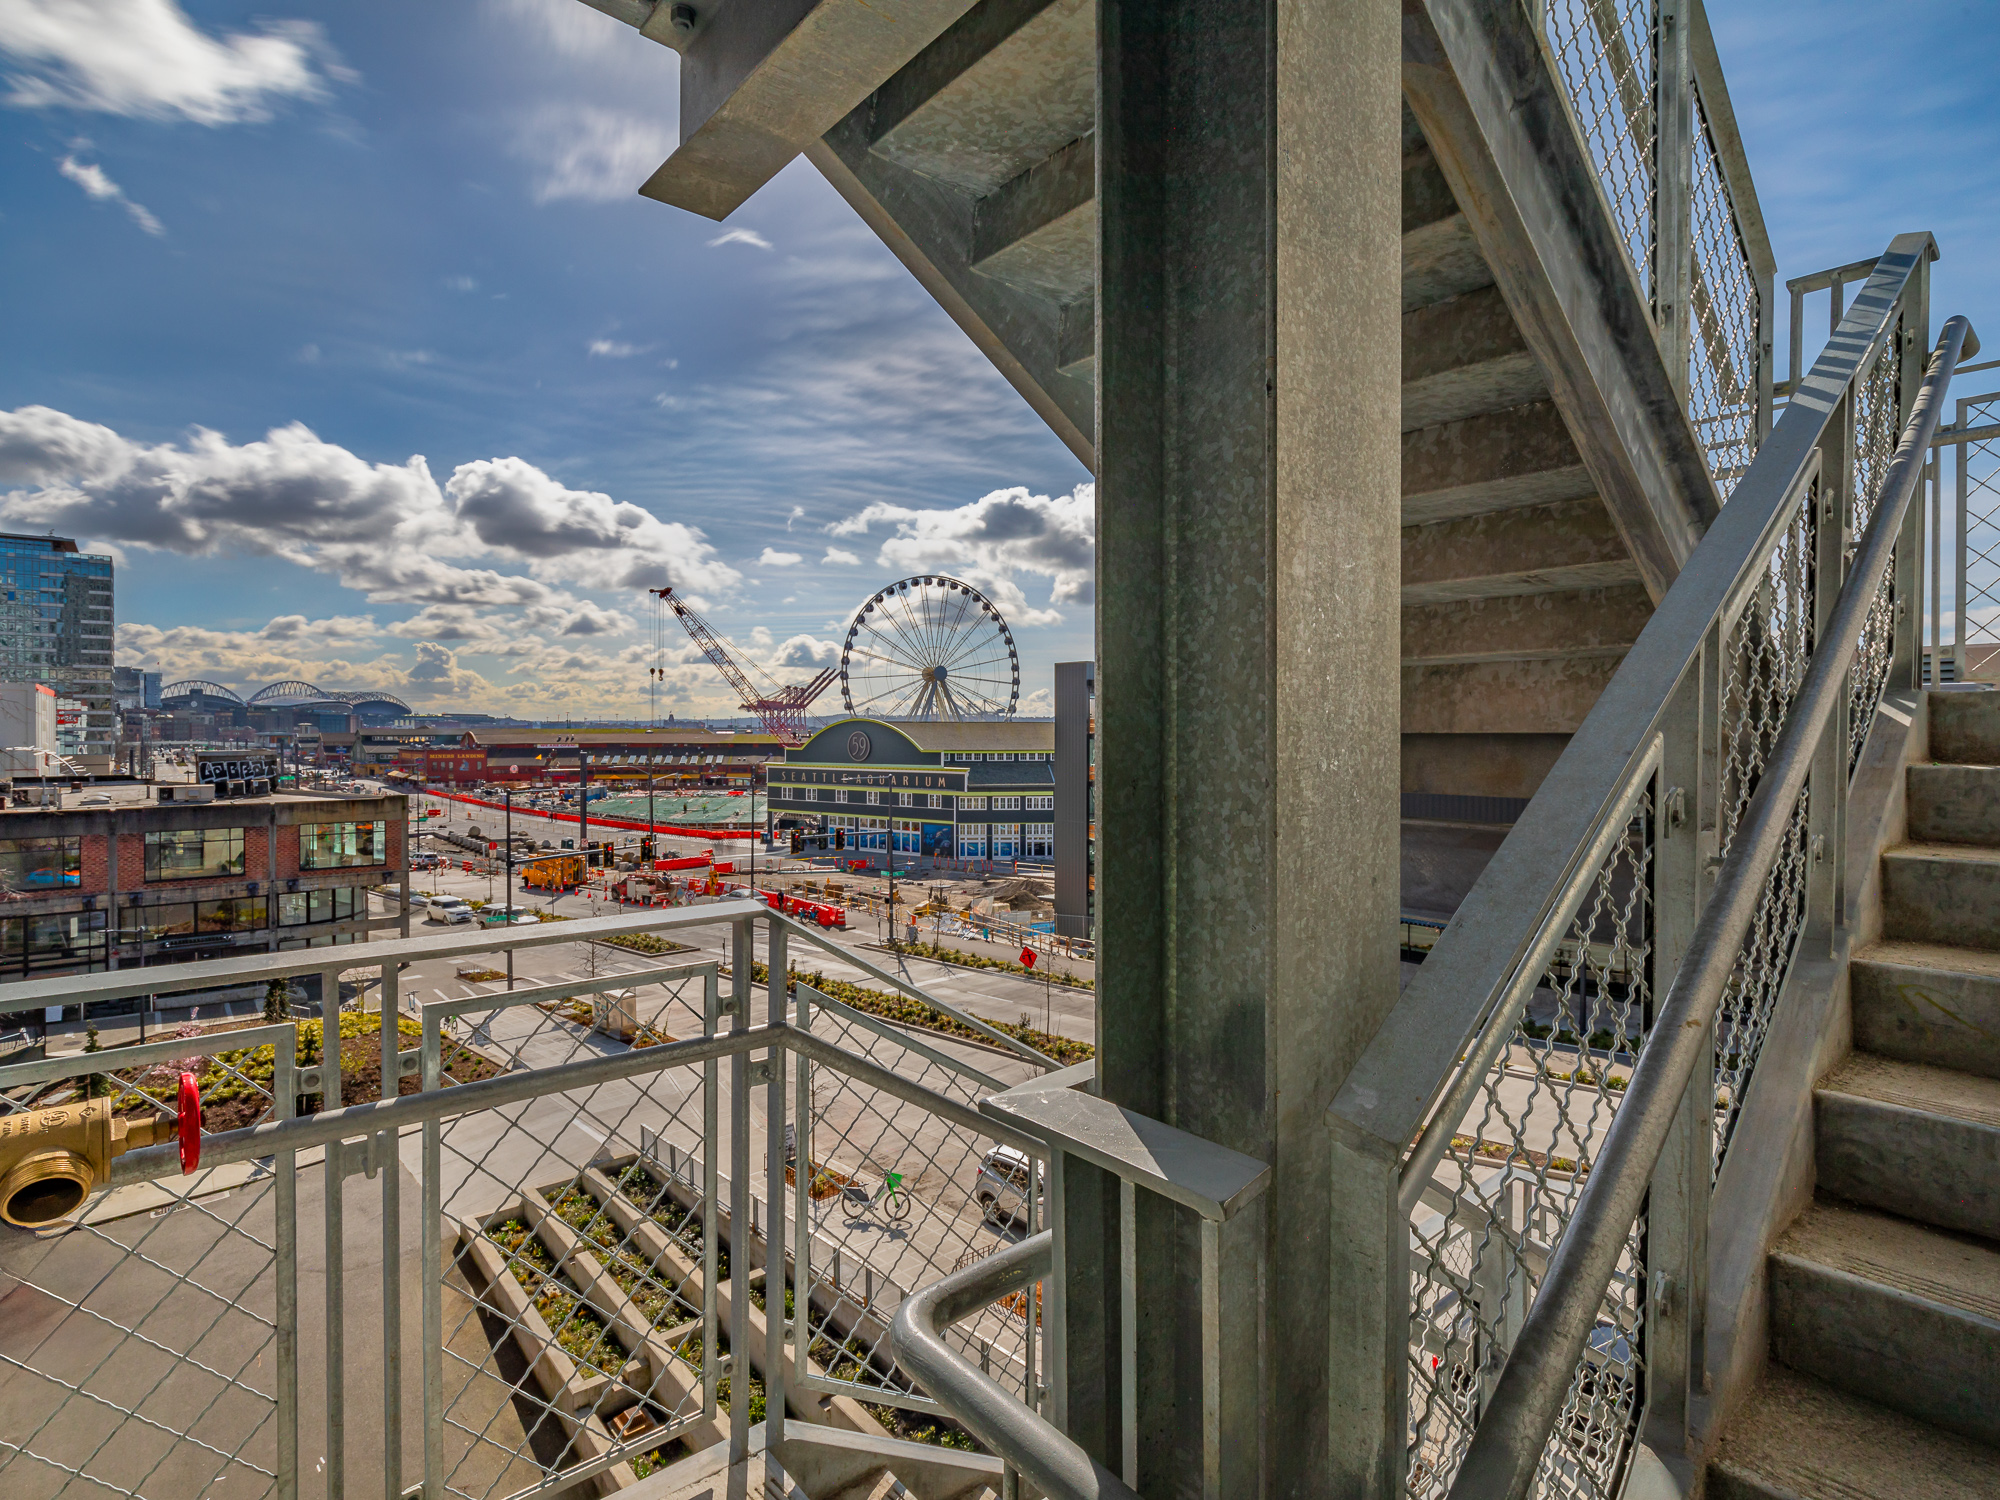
930	648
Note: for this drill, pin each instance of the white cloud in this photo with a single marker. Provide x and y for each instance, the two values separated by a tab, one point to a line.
740	237
772	558
597	155
385	529
460	284
613	349
145	58
92	179
798	514
836	557
994	538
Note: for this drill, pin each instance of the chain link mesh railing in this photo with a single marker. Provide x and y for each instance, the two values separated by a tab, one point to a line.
139	1353
1501	1198
895	1198
1764	660
1727	320
1978	478
1878	421
1607	55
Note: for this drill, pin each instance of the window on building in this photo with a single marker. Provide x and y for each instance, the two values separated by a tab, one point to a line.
1038	804
64	942
194	854
148	924
238	914
335	846
1006	804
40	864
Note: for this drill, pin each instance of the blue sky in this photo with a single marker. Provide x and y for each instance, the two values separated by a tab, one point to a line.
255	260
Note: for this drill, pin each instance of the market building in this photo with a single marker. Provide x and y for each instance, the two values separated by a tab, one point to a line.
669	753
136	881
973	790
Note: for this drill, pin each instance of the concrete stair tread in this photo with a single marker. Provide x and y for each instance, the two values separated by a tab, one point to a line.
1905	953
1797	1439
881	1485
1968	853
1917	1086
1953	1272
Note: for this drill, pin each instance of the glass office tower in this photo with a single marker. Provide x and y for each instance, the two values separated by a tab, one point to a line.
55	627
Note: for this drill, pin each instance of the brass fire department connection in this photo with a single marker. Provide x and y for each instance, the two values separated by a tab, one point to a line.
51	1158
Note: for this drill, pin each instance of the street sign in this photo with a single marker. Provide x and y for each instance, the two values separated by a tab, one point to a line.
1027	958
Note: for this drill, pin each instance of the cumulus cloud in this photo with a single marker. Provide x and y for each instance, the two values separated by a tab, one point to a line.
771	557
290	646
581	151
613	349
990	541
802	651
388	530
146	59
437	674
740	237
836	557
92	179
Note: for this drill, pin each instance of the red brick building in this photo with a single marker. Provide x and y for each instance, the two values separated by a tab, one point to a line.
143	882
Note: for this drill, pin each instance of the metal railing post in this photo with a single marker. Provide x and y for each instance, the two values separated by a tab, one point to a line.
741	948
284	1105
431	1079
1958	629
711	1199
336	1249
774	1210
802	1172
1673	188
392	1243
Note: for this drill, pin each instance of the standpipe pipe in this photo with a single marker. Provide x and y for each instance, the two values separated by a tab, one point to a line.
50	1159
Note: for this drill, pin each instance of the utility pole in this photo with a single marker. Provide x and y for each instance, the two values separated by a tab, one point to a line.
583	808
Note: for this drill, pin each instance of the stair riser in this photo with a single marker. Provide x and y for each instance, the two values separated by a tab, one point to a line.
1928	1016
1931	1168
1936	1364
1955	805
1965	727
1929	900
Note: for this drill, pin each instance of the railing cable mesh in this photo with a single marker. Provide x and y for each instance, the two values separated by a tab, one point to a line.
1502	1197
1878	420
1764	661
1978	628
1606	54
1728	314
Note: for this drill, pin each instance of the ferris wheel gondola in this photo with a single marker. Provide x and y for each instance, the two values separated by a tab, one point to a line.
930	647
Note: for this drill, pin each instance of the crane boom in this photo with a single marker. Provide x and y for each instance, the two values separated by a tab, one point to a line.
783	712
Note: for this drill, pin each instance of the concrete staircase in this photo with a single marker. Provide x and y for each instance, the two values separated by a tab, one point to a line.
1885	1295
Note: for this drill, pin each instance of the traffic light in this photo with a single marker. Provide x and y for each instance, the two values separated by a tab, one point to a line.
840	838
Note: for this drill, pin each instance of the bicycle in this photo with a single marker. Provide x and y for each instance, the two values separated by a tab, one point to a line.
889	1201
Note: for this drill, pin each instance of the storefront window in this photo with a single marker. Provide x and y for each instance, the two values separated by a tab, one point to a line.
150	923
336	846
194	854
31	865
238	914
63	943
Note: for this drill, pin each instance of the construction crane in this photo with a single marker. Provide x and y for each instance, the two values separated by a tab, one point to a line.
781	709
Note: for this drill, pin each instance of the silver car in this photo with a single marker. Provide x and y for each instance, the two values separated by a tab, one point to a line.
1002	1186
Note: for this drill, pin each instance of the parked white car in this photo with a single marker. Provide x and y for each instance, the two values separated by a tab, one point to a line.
1002	1186
447	909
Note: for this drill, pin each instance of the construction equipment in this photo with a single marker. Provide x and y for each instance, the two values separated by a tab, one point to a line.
781	709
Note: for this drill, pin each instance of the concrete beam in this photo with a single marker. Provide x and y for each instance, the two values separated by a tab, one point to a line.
760	81
1540	550
1464	358
1547	696
1039	231
1521	456
928	227
1589	622
1008	86
1479	79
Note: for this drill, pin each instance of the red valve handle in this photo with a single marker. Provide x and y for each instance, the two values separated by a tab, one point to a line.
190	1124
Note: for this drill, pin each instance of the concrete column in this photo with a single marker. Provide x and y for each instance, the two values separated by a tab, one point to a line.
1248	528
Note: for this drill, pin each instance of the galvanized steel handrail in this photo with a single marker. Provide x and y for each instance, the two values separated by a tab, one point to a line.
1043	1454
1507	1447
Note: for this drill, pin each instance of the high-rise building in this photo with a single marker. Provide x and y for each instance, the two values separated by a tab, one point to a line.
135	689
55	628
